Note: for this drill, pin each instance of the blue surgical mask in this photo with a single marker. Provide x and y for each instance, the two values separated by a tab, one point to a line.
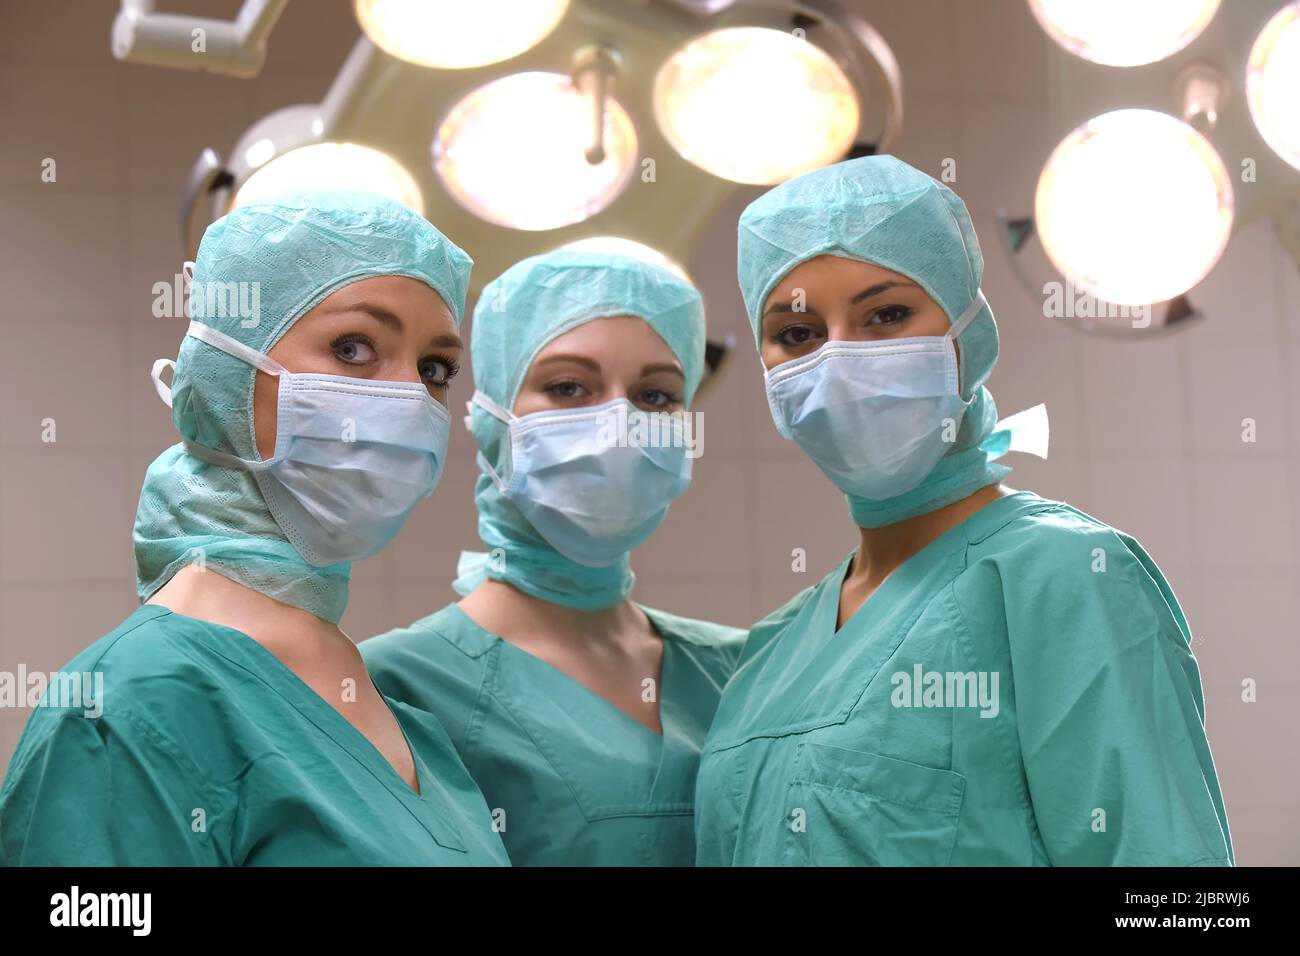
353	457
593	496
875	416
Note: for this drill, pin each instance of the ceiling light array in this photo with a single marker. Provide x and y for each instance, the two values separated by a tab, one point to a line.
713	100
1136	206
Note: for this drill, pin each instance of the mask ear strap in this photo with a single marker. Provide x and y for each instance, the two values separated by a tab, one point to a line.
968	316
162	388
234	347
491	472
486	403
214	457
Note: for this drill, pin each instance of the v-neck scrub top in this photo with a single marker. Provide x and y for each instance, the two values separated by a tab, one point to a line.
874	745
572	779
209	751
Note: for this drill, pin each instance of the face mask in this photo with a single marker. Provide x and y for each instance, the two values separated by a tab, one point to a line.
876	417
591	496
352	457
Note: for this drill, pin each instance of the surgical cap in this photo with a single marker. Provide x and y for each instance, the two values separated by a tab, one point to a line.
259	270
518	313
541	298
880	210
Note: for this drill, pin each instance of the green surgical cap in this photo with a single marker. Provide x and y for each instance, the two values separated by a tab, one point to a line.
880	210
518	313
259	270
541	298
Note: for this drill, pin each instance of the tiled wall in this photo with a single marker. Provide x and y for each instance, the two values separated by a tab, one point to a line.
1144	435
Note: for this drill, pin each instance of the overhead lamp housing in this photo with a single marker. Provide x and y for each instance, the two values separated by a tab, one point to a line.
458	34
756	105
1134	206
515	152
1123	32
1273	83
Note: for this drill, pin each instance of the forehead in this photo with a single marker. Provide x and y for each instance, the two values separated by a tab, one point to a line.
830	272
395	289
609	337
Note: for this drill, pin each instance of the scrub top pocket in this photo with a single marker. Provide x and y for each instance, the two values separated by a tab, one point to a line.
865	809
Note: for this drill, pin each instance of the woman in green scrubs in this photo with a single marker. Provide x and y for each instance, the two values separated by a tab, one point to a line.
991	678
229	720
579	712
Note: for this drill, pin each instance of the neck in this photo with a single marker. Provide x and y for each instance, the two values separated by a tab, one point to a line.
883	549
285	630
501	608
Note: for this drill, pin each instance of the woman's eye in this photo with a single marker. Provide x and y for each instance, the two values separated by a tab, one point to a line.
658	398
566	390
793	336
438	372
353	350
890	315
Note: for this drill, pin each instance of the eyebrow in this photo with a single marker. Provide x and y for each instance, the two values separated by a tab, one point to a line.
392	321
663	367
582	360
594	366
867	293
880	287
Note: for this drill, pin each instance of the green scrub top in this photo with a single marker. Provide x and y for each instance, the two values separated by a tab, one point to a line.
889	743
209	751
572	779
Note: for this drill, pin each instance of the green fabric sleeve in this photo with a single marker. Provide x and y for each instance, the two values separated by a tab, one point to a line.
106	791
1110	711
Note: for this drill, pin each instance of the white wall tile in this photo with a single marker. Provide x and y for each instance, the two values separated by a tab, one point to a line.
1134	397
1238	389
718	500
1245	626
795	506
66	517
1240	298
1246	512
62	253
46	117
83	395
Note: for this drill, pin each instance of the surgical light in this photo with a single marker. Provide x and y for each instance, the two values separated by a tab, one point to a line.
755	105
1273	83
1134	206
458	34
1124	32
333	166
514	152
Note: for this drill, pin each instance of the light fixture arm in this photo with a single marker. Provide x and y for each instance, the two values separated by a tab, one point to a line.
594	71
207	175
238	48
351	95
